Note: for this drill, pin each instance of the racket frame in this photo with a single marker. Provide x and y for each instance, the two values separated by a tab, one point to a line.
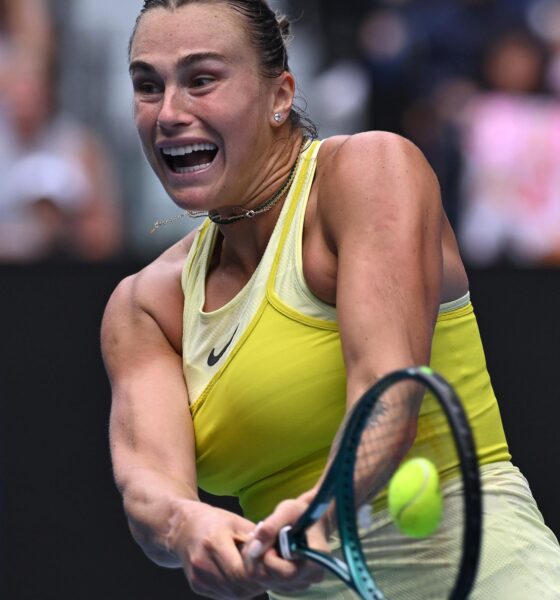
338	485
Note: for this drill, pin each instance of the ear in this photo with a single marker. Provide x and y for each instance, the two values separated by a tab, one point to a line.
284	89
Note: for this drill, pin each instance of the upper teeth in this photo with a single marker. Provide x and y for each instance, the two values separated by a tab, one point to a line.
181	150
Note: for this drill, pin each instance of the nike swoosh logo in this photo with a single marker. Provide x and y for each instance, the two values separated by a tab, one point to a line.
214	358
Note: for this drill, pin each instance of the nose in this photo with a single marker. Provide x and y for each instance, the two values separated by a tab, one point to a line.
174	112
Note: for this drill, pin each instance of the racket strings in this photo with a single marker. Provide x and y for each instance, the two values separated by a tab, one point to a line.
405	566
390	425
374	535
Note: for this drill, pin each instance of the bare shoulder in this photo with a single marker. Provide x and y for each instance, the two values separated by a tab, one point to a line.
378	157
378	188
375	176
151	299
370	145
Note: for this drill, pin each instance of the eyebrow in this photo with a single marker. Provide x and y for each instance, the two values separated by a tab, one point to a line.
184	62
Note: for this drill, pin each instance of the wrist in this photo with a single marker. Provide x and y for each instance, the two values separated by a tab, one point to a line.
180	513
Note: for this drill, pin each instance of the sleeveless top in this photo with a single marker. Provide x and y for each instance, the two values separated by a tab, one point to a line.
266	377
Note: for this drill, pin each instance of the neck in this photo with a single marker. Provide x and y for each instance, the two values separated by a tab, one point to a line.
245	240
277	185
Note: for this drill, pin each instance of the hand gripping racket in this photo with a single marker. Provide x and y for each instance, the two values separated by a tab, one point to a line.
372	555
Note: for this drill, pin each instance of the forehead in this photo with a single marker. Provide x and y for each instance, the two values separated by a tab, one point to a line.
197	27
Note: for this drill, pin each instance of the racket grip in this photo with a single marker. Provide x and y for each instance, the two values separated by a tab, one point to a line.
284	543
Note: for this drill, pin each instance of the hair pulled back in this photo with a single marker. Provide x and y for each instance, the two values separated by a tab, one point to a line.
269	33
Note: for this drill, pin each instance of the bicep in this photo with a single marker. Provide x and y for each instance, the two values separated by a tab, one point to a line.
150	424
388	244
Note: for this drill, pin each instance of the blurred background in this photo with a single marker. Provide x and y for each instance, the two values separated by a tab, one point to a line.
474	83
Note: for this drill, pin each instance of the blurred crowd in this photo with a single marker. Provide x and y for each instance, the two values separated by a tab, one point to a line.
58	195
474	83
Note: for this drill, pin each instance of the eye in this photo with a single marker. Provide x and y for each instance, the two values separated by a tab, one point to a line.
202	81
147	87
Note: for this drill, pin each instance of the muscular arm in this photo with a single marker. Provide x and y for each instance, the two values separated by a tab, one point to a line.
152	438
379	208
382	215
150	428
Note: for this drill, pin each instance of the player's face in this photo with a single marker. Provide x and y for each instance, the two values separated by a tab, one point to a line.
201	106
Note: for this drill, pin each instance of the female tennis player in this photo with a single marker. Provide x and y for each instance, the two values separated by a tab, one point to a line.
322	266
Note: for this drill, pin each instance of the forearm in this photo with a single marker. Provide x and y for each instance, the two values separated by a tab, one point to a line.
388	435
157	508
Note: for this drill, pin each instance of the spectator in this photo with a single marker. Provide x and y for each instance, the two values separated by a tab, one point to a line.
58	196
25	26
511	150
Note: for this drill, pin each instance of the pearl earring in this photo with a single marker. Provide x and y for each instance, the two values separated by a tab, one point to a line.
278	117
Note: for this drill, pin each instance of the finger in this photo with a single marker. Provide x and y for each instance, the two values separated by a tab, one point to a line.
220	572
302	571
232	567
266	533
274	572
317	537
270	566
262	561
219	583
254	548
244	530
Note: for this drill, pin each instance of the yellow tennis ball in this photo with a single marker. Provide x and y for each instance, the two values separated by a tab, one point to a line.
414	498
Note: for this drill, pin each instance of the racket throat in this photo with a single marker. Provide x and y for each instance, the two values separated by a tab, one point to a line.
294	549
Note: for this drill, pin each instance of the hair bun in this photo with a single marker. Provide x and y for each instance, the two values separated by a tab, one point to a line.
284	25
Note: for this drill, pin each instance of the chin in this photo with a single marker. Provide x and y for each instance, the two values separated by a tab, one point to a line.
187	200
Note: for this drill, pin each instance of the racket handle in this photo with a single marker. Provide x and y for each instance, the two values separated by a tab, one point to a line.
284	543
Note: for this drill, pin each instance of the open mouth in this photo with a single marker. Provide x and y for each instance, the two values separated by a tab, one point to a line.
190	158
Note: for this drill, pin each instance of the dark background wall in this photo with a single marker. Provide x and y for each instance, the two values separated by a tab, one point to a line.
64	534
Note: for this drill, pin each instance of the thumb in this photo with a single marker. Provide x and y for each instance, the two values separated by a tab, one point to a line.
266	532
317	537
257	543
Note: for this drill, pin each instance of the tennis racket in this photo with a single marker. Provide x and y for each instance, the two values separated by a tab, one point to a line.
369	551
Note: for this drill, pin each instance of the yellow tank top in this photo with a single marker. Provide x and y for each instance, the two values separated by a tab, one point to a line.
266	377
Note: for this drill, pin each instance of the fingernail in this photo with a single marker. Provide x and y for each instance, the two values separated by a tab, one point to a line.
255	531
254	550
